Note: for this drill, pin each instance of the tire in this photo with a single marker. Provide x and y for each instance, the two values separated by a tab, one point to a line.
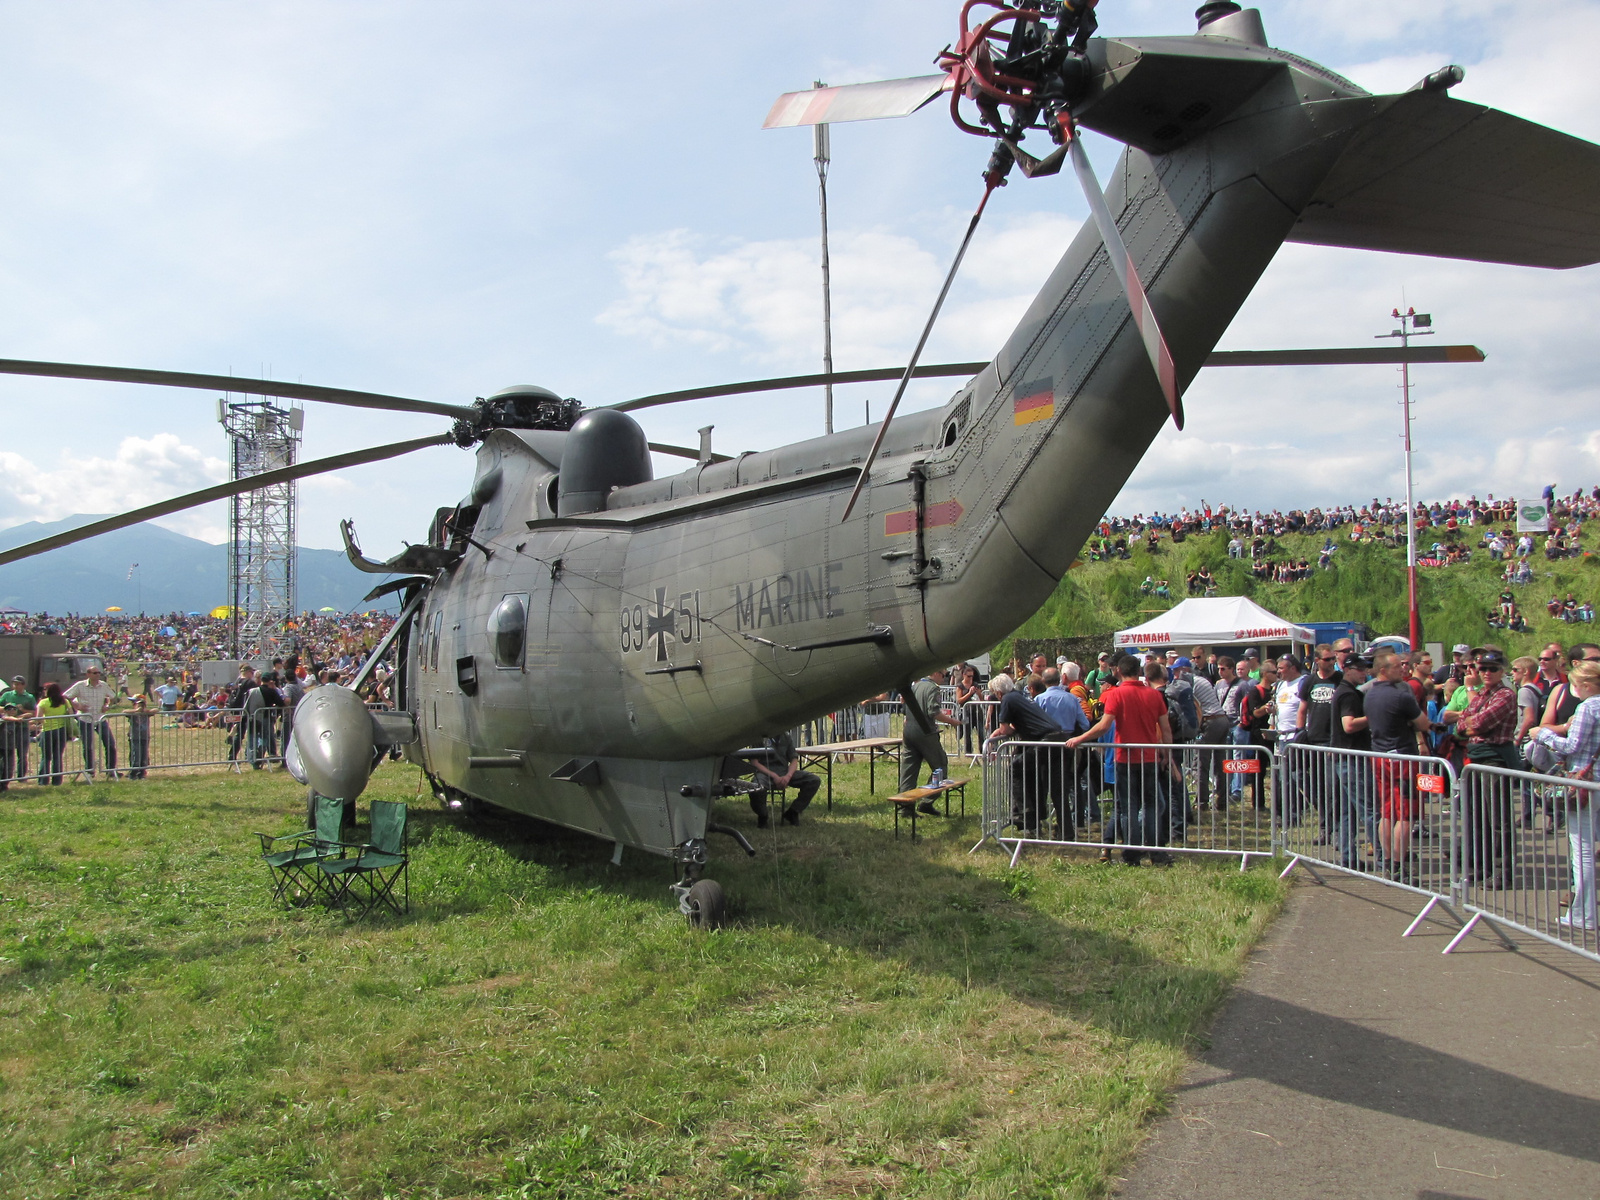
708	906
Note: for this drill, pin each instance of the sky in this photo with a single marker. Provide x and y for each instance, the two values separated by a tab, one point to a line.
439	200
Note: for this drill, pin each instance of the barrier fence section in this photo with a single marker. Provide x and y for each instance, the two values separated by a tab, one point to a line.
54	750
1534	874
1137	799
1511	848
1388	816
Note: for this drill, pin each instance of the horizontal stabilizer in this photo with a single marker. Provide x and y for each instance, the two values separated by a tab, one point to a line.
854	102
1438	176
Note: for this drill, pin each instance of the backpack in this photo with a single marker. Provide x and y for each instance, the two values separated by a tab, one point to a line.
1182	711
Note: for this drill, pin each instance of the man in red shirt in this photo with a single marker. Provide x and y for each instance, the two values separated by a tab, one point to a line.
1140	716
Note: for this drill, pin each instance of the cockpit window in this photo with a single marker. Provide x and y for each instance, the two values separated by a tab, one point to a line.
508	630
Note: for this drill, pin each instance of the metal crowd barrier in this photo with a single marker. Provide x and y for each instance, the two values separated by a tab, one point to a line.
1193	799
1532	874
1475	846
130	744
1388	816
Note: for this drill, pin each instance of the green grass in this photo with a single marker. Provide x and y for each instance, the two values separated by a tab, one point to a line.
1367	583
881	1017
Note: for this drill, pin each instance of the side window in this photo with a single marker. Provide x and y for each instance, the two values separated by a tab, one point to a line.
433	651
508	627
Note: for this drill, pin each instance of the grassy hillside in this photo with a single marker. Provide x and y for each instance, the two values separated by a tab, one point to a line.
1367	583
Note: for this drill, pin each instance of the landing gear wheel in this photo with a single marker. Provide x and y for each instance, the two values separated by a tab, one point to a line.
707	906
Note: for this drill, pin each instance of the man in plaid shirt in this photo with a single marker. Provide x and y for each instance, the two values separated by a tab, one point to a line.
1490	724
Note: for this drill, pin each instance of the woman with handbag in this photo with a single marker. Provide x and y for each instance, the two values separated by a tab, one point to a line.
1579	750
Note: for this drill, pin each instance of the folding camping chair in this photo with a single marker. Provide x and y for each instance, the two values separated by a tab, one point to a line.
294	858
378	865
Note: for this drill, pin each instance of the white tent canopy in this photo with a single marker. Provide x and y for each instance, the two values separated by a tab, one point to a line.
1215	621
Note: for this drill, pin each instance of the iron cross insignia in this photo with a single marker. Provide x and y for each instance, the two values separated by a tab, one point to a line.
662	624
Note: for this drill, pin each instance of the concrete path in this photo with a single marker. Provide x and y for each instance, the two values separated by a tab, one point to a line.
1352	1062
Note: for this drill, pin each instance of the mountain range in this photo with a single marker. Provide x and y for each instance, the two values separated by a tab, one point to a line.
175	573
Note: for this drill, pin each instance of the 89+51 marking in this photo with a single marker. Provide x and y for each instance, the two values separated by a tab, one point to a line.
681	623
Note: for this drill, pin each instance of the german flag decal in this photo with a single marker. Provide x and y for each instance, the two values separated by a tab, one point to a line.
1035	401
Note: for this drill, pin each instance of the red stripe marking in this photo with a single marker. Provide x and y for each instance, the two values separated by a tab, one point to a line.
937	515
1037	400
817	107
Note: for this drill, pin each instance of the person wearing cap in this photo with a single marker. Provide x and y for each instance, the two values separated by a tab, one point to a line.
1490	723
1347	730
92	697
1456	667
1100	676
17	703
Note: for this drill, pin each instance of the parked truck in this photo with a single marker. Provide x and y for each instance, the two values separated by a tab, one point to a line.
43	658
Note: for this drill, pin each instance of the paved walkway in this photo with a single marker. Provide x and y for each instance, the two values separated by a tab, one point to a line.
1352	1062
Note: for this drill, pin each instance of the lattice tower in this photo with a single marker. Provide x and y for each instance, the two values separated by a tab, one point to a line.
261	526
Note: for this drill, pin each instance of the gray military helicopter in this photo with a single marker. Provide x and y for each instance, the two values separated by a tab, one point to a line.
587	644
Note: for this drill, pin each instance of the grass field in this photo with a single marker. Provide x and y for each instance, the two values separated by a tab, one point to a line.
881	1017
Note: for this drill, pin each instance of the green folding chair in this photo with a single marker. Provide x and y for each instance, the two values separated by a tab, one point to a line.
368	880
292	859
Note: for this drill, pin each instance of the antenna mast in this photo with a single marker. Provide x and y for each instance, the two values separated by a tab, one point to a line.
822	157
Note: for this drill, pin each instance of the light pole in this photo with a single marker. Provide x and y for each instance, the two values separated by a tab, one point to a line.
1412	324
821	157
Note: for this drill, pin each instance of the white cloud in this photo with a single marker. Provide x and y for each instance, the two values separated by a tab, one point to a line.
142	471
761	300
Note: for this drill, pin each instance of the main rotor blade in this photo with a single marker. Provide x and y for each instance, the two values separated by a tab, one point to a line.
684	452
855	102
229	383
1388	355
1144	316
222	491
875	375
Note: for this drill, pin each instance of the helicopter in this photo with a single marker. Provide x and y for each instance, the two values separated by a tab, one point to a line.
588	644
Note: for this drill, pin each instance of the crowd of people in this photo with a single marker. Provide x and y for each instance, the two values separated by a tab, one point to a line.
112	709
139	650
1538	714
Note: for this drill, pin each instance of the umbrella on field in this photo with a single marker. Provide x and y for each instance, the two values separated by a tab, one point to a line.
113	608
327	610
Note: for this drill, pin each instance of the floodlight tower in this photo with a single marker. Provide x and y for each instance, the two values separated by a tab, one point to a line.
1412	324
261	524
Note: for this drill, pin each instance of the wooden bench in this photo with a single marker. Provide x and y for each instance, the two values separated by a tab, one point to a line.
906	802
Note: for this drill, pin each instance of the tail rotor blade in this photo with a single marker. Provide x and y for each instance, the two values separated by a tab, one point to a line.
1144	316
855	102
